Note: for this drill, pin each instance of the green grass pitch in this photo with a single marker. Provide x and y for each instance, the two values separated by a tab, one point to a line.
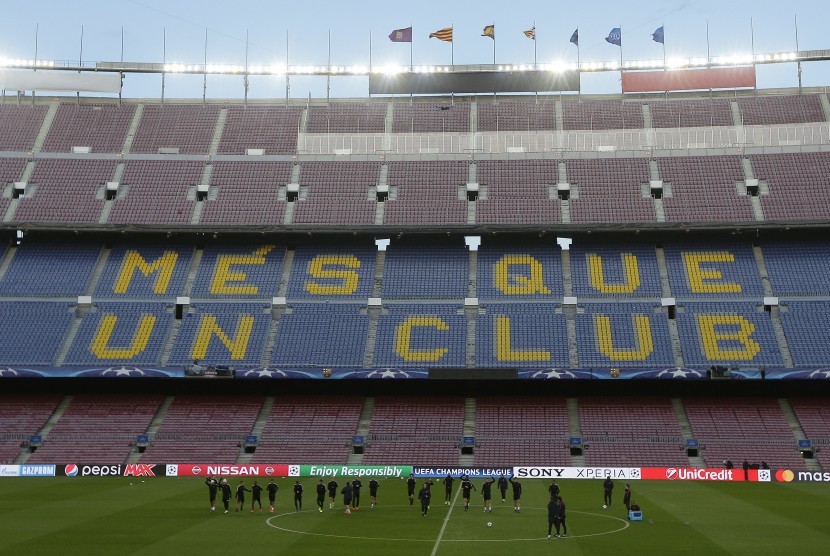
170	516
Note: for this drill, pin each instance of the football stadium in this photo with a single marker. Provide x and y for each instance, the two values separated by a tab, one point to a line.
475	271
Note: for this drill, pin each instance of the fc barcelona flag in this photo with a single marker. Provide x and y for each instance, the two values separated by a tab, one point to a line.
401	35
489	31
530	33
444	34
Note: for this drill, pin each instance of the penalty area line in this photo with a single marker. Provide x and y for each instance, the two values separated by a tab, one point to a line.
444	525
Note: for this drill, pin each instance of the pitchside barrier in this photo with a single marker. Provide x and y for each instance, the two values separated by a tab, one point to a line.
702	474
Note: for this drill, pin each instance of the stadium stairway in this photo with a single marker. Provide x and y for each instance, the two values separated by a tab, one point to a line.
153	427
256	430
665	290
363	423
45	127
30	190
686	430
468	460
775	312
798	432
575	429
23	457
128	140
825	106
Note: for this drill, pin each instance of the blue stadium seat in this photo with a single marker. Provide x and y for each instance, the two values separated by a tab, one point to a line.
421	335
507	273
624	347
425	273
322	335
318	273
532	335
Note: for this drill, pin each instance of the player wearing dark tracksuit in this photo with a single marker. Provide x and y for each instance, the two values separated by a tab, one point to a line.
502	484
410	488
240	496
373	491
256	495
356	486
213	487
332	492
272	489
466	487
487	494
517	494
321	495
448	480
226	494
424	495
560	519
347	497
298	496
553	511
607	488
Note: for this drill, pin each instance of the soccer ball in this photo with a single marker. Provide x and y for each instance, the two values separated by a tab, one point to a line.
489	524
604	507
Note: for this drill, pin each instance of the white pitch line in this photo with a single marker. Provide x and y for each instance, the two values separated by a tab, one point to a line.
444	525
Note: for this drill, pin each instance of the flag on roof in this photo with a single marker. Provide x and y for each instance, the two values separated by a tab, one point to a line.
401	35
531	33
489	31
615	36
444	34
658	36
575	37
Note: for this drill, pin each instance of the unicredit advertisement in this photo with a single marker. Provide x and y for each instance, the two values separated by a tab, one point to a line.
705	474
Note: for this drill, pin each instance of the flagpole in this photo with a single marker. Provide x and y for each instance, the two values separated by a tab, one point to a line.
287	78
665	68
752	43
708	54
621	62
534	45
795	20
411	40
204	80
163	58
328	75
494	45
246	67
452	47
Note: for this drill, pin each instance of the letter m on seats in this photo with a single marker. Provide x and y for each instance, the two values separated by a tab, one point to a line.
163	267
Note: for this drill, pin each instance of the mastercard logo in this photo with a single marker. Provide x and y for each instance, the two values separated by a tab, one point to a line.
784	476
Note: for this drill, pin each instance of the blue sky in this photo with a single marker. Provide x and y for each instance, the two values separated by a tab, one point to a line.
308	24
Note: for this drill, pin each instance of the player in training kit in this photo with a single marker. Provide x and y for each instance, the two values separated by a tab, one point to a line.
502	484
298	496
487	494
554	490
424	495
607	488
466	487
410	488
560	518
213	487
226	493
448	480
517	494
373	491
356	486
240	496
332	492
553	512
347	497
321	495
272	489
256	496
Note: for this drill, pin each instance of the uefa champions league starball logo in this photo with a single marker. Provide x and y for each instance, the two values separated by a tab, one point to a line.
547	374
8	371
123	371
264	372
820	374
387	373
679	372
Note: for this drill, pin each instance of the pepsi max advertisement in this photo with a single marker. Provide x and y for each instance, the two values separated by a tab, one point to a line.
120	470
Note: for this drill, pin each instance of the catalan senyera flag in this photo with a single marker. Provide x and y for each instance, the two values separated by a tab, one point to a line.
531	33
444	34
489	31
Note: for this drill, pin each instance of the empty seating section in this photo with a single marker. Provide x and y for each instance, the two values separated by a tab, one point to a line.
247	193
610	190
713	270
521	431
309	428
337	193
321	335
603	271
188	128
41	269
602	114
203	429
739	429
271	128
32	332
704	189
66	191
521	335
806	328
11	170
771	110
690	113
223	333
21	416
415	429
810	258
425	335
102	127
136	271
727	333
516	116
623	334
631	432
347	117
814	416
122	334
431	117
427	192
19	126
425	273
517	191
322	273
797	183
157	192
98	429
531	273
246	271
